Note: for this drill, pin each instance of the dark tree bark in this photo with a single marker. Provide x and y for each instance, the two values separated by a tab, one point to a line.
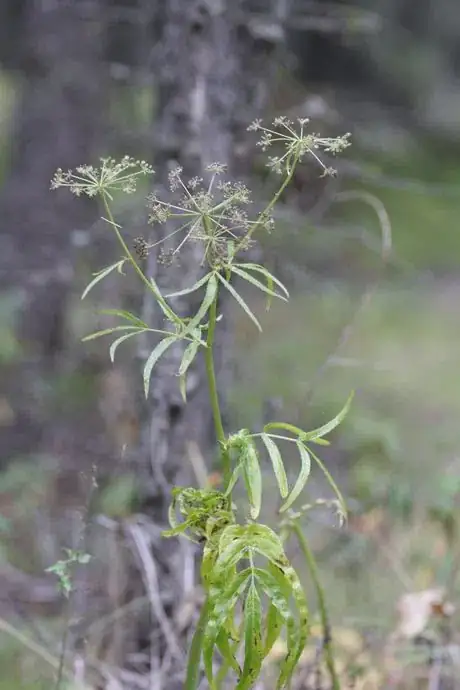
57	124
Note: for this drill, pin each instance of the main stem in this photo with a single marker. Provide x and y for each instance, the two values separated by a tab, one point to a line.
213	395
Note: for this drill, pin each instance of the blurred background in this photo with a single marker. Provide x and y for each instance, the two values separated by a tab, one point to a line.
371	258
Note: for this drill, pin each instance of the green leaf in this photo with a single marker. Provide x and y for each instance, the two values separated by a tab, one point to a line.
229	534
332	483
288	580
189	290
240	301
327	428
164	306
233	479
192	678
209	297
153	359
229	557
124	315
305	469
253	652
222	602
224	647
279	612
119	341
187	358
273	625
252	477
107	331
277	464
261	269
254	281
100	275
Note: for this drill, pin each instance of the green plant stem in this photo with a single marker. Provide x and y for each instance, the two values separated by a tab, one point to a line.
310	559
213	395
126	250
274	200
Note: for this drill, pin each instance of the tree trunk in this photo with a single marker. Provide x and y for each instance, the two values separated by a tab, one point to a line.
58	124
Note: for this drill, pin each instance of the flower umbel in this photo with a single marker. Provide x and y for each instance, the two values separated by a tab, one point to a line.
110	176
213	214
297	143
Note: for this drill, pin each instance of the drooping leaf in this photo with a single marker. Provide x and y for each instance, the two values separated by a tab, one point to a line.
124	315
304	473
209	297
240	301
253	651
100	275
119	341
327	428
187	358
189	290
269	276
233	479
252	478
277	464
164	306
153	359
257	283
108	331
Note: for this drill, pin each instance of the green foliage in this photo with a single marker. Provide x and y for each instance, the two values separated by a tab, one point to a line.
253	593
63	569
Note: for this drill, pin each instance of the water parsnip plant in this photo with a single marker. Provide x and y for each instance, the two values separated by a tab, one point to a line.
253	593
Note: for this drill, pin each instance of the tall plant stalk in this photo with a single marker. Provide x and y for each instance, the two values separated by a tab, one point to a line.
247	605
